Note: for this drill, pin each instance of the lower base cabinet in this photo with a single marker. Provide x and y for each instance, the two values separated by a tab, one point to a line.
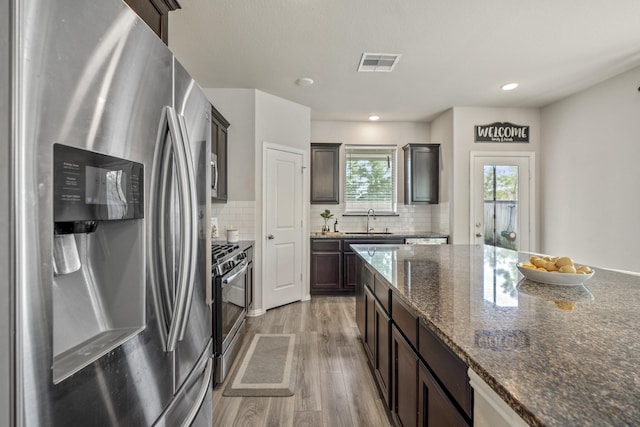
381	355
404	381
422	382
434	407
369	336
417	398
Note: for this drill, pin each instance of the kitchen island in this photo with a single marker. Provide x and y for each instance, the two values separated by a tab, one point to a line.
558	356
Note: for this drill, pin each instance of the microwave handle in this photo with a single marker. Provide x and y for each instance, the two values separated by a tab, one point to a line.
214	165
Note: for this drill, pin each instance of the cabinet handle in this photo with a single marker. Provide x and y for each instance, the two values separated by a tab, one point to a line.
270	237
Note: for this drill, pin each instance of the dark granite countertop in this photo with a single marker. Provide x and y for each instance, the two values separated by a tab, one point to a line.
558	355
358	235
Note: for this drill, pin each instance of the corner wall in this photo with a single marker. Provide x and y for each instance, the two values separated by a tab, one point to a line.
590	174
442	133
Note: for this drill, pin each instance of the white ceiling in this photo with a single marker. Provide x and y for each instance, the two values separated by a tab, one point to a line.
454	52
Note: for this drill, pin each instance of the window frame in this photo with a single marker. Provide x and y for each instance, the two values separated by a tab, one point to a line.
392	208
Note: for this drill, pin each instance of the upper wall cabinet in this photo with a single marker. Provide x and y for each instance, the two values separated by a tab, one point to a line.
421	174
219	157
155	13
325	173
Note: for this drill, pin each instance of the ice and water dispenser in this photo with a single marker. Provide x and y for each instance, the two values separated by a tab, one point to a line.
98	256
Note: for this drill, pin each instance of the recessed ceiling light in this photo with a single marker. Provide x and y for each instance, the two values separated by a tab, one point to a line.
374	118
509	86
304	81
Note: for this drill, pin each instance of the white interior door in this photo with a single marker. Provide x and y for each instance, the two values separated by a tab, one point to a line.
283	206
502	200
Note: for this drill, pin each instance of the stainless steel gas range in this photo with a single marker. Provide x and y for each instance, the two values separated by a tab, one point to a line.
231	299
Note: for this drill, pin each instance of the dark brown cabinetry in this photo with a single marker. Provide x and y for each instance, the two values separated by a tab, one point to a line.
423	382
369	336
422	174
155	13
405	386
450	371
325	173
375	329
333	271
219	142
363	293
381	354
326	266
350	269
434	407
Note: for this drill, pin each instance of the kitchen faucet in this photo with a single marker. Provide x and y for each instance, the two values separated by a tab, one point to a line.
370	213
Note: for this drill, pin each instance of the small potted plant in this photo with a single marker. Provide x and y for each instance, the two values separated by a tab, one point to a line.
326	215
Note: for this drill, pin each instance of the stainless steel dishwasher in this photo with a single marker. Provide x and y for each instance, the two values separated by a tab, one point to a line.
426	240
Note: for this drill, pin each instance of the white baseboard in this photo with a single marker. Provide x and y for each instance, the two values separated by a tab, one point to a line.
255	313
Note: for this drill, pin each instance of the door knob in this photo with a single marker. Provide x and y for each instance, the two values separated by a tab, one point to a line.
478	234
270	237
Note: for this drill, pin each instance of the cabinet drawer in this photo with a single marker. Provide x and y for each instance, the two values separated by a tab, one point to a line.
382	292
325	245
405	319
447	367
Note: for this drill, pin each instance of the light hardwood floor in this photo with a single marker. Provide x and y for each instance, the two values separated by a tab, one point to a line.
334	385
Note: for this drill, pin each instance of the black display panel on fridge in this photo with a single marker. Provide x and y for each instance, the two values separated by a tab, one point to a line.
94	186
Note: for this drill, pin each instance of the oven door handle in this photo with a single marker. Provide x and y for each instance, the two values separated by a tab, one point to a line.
235	275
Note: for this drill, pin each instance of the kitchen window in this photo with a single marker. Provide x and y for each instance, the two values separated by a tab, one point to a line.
370	179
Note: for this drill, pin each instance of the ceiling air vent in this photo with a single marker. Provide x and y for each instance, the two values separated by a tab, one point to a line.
378	62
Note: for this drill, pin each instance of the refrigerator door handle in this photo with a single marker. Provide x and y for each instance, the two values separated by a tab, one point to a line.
186	231
202	393
165	169
160	182
192	211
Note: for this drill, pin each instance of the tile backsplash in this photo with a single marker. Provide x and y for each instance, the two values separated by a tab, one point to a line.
411	218
235	214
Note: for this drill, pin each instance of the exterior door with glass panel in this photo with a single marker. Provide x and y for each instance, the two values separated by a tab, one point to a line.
501	200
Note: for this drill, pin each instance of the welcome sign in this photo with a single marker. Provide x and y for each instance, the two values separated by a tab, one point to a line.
501	132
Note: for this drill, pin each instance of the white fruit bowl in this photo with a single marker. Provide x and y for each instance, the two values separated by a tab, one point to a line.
566	279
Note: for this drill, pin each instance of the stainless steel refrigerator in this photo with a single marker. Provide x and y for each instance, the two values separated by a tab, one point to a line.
105	314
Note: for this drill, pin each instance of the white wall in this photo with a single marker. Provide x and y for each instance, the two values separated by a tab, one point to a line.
412	217
442	133
464	120
590	201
